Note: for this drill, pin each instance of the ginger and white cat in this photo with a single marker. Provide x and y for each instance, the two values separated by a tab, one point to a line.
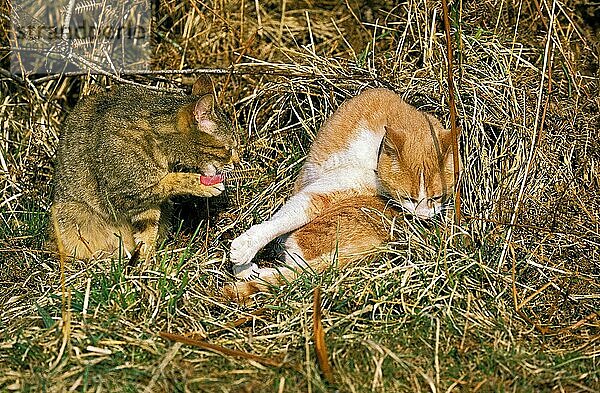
374	147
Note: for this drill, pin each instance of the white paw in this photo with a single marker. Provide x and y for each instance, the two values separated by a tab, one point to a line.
246	272
266	272
251	271
244	247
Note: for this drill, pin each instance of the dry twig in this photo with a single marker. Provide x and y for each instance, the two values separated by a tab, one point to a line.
452	104
222	350
319	337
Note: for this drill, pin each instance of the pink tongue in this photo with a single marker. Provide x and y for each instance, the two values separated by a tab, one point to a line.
211	180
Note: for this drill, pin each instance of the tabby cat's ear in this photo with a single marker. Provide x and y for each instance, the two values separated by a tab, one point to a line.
203	109
203	85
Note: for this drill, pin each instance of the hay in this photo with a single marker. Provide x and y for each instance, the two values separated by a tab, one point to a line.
509	300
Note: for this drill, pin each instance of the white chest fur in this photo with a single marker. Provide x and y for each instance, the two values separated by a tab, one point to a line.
361	151
359	154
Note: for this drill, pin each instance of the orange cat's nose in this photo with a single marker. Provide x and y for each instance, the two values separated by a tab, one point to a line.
424	209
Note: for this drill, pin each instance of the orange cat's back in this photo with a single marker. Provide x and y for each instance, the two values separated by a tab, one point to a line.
353	134
366	111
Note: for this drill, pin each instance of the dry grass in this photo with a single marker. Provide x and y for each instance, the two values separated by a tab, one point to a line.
509	300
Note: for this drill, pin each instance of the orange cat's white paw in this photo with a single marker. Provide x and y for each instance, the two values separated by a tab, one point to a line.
244	247
246	271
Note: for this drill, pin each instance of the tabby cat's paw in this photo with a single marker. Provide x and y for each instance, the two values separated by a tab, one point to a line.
144	244
211	190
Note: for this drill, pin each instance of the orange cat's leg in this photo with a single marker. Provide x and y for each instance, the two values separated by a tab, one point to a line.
240	291
295	264
264	278
299	210
345	233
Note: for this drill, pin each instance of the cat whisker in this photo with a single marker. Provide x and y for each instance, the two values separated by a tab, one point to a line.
394	203
227	168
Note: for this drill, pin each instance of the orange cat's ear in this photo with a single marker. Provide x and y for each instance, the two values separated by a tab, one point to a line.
392	141
386	146
446	139
203	108
449	162
203	85
446	142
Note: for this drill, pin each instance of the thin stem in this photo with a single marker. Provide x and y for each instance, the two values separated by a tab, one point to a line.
452	104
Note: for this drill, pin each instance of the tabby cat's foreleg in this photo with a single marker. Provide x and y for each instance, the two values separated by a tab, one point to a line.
176	183
146	225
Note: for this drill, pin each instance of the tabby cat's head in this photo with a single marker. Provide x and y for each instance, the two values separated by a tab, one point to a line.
416	168
207	133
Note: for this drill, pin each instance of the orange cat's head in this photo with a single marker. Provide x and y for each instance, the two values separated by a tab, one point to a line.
415	165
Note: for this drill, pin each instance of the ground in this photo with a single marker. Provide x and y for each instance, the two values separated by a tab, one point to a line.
507	300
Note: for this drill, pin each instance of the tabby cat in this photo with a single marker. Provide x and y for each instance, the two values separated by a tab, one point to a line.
119	160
